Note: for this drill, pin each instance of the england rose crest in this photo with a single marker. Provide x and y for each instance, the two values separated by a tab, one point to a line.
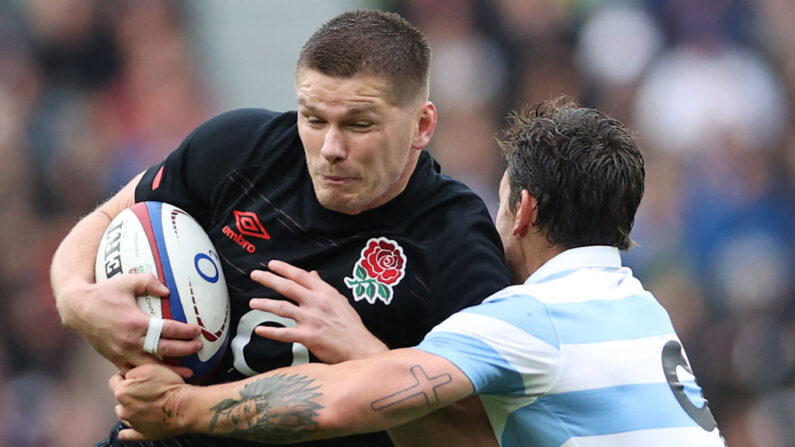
381	266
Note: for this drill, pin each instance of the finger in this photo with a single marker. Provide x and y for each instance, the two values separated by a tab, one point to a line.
115	381
299	275
178	348
130	434
310	280
147	284
124	366
153	332
161	371
178	329
319	283
284	286
185	373
281	308
182	371
282	334
119	410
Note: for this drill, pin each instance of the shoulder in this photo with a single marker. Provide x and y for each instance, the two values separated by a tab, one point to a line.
505	345
441	201
242	137
517	307
461	224
244	115
243	124
455	227
508	316
447	188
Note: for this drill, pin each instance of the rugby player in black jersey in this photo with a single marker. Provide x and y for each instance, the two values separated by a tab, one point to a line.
342	187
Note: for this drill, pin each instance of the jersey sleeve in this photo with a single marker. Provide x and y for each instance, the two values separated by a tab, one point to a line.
469	260
189	175
506	346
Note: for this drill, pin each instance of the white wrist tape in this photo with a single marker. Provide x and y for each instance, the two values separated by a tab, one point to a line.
153	335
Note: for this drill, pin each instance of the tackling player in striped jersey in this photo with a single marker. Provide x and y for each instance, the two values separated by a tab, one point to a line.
577	354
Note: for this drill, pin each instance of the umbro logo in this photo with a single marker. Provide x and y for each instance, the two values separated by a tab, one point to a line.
248	224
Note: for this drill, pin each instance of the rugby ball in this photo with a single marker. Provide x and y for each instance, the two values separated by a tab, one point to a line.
159	238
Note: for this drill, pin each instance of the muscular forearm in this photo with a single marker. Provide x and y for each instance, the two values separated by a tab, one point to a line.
306	402
279	407
310	402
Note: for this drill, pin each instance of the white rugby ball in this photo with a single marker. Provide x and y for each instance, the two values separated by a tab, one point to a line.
159	238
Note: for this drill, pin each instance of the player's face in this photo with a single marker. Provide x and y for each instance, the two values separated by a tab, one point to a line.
360	147
505	222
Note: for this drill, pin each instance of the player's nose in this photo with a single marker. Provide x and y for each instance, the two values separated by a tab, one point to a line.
334	147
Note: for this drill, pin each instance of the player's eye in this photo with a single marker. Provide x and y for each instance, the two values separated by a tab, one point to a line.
361	125
314	121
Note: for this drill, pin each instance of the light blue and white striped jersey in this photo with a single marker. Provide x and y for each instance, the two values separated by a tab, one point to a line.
579	355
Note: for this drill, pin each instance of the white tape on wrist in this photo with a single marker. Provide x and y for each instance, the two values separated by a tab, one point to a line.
153	335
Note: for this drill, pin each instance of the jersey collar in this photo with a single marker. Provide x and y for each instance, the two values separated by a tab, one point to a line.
576	258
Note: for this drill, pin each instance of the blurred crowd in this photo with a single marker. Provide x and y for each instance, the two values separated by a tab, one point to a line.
92	92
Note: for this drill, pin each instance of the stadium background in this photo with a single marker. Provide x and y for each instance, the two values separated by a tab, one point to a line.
92	92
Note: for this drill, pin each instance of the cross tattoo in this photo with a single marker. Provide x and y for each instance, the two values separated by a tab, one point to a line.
419	388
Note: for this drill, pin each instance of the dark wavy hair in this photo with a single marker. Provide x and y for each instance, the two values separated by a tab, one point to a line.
371	42
583	167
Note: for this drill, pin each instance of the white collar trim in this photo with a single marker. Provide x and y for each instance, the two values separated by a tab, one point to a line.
579	257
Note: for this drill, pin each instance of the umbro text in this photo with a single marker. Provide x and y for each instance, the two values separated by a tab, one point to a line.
239	240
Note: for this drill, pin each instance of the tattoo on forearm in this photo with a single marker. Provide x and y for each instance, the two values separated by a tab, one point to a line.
424	386
278	408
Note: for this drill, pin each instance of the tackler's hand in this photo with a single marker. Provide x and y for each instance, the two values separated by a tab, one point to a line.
148	402
326	323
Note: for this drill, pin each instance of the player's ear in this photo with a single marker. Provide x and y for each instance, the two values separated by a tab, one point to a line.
426	124
525	214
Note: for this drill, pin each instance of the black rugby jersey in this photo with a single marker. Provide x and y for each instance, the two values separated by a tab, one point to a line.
243	176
